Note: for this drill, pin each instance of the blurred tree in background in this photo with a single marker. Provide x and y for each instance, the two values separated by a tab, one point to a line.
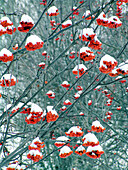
59	84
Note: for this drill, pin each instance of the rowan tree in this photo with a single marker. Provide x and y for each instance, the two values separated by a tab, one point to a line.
63	86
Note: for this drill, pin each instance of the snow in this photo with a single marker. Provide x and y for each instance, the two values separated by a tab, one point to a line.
5	19
35	152
87	13
33	145
67	101
2	28
77	67
85	49
44	113
29	116
97	87
81	113
33	39
80	148
90	137
68	22
65	82
94	148
123	66
62	138
90	101
87	31
7	107
107	58
75	129
72	52
96	39
59	143
101	16
52	9
53	111
114	19
114	71
26	18
16	166
29	104
77	94
106	91
49	108
119	77
5	51
36	140
80	92
64	107
45	52
65	149
74	7
50	92
10	27
79	142
20	104
35	108
97	124
8	77
42	64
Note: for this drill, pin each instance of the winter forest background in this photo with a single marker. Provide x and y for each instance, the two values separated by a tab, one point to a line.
64	86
